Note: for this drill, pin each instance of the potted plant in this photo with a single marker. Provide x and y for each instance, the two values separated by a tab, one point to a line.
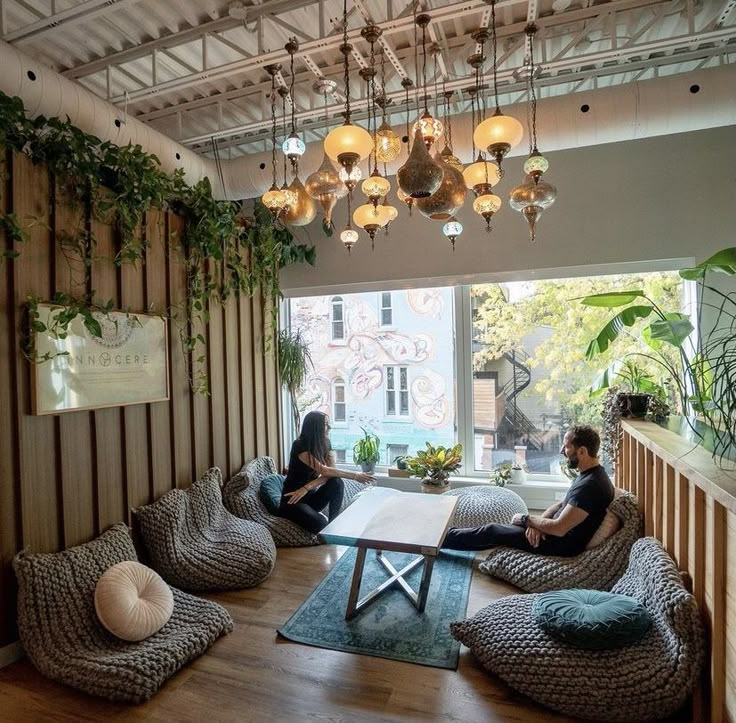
434	466
508	473
294	363
634	386
366	451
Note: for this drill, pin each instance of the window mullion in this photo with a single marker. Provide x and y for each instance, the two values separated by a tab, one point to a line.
464	377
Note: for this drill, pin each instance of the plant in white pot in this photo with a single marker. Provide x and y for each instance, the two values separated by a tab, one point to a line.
434	465
508	473
367	451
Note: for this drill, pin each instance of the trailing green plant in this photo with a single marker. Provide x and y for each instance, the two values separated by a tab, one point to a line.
435	464
294	363
120	185
367	450
59	320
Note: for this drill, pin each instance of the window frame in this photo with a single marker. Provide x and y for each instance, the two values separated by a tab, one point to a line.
462	328
339	382
382	308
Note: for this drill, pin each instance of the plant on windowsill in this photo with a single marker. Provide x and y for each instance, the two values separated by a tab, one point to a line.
366	451
434	465
399	469
508	473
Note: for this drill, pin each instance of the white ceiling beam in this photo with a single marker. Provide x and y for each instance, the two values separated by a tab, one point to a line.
83	12
387	49
389	27
566	66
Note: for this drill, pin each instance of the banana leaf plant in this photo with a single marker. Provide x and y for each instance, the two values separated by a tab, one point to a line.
705	376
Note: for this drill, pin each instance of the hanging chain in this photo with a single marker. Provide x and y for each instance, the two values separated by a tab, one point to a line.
346	52
424	64
291	91
273	126
372	104
383	83
532	91
448	121
472	125
436	96
283	123
494	40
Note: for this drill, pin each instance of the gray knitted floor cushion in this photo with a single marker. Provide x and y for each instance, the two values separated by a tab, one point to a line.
196	544
65	640
596	569
647	680
242	499
483	504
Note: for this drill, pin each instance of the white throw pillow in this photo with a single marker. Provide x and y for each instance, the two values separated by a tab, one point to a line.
132	601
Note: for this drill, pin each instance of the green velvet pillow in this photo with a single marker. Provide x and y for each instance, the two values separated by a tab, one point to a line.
591	619
270	492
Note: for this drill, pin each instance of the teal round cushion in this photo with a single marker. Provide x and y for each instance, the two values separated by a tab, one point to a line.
270	492
591	619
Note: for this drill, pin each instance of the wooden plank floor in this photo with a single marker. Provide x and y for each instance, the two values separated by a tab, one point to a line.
250	675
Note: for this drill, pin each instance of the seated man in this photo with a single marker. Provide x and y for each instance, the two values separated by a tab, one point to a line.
566	527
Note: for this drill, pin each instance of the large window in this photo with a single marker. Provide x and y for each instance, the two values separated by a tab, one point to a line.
500	368
393	372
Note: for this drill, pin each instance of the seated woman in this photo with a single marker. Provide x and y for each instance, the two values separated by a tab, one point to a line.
311	483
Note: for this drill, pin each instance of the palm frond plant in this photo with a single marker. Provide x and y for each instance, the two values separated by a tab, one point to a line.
703	371
295	361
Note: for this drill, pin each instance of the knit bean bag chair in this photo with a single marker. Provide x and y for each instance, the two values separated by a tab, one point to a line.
196	544
483	504
64	639
645	680
596	569
241	495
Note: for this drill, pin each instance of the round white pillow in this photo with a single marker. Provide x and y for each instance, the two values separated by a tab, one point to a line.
132	601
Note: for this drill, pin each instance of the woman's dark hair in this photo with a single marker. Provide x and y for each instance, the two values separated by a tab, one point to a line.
582	435
313	436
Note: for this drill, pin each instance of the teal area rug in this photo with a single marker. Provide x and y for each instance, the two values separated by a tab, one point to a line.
390	627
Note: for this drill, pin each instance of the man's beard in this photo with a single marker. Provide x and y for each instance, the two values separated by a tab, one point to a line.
573	462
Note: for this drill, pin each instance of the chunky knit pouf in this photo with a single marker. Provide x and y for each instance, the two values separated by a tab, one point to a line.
482	504
646	680
196	544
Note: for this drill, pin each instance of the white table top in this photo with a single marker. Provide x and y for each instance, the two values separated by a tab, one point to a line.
385	519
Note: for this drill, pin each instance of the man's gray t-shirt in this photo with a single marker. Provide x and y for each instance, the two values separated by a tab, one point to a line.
592	492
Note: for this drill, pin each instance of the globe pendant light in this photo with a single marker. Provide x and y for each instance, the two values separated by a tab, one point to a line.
302	209
273	199
325	186
388	212
347	144
375	187
534	195
500	133
452	229
481	175
420	176
531	198
293	147
486	205
349	236
448	199
370	219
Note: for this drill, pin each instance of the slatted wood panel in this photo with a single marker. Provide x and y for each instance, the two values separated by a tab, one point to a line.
690	506
66	478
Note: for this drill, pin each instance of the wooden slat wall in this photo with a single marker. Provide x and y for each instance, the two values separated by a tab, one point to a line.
689	504
66	478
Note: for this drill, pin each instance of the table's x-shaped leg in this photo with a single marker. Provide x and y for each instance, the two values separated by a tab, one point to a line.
397	576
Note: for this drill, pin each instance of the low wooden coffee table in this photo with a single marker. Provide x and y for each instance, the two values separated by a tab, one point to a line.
382	519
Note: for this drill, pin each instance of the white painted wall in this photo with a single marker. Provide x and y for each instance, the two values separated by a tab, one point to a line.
670	197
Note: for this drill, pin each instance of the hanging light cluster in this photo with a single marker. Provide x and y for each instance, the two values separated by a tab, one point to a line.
533	195
432	180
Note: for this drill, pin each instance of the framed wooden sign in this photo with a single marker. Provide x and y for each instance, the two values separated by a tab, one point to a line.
128	364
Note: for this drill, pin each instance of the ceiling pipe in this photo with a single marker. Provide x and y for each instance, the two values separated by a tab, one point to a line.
643	109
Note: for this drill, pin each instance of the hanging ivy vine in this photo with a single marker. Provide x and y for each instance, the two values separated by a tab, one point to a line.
224	255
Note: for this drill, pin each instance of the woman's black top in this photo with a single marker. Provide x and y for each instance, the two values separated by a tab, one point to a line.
299	473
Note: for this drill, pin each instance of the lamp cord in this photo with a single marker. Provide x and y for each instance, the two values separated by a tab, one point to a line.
494	40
